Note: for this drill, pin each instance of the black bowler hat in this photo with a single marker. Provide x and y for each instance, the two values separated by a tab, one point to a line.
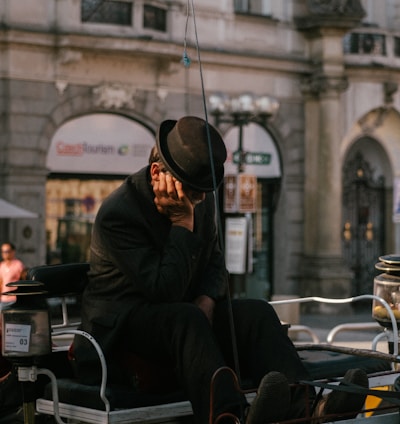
184	150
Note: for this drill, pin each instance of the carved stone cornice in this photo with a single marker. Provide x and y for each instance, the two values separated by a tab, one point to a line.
114	96
344	14
318	84
373	120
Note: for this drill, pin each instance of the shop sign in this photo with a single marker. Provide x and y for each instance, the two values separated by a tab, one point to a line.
100	143
259	155
230	194
236	234
240	193
251	158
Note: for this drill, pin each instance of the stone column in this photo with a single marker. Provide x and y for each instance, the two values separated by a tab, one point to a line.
324	271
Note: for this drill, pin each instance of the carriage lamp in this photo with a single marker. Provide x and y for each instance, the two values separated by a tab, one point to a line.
26	322
26	336
387	287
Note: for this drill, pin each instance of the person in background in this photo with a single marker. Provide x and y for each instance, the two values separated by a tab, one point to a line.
11	269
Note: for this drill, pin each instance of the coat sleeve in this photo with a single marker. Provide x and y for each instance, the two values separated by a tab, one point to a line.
214	276
143	254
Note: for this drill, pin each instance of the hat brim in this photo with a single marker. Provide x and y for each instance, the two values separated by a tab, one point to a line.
206	185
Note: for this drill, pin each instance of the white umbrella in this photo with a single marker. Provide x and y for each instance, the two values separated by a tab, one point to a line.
8	210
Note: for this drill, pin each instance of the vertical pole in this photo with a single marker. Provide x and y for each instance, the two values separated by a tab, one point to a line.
240	147
28	398
241	279
29	412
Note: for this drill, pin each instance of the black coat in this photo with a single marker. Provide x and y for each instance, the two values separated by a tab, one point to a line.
136	257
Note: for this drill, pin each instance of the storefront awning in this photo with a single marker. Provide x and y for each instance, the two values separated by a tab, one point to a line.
10	211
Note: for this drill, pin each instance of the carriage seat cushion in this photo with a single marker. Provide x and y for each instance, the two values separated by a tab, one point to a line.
146	376
326	364
155	384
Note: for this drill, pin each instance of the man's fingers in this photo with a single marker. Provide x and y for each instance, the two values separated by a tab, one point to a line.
165	186
171	190
179	189
170	199
161	185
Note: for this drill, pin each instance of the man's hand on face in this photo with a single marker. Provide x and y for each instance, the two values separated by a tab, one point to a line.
171	200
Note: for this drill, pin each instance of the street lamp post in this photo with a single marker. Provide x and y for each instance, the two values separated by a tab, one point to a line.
240	111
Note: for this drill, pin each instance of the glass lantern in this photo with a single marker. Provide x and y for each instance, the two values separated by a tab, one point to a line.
387	287
26	322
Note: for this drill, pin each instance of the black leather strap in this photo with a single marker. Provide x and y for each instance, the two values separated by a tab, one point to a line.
353	388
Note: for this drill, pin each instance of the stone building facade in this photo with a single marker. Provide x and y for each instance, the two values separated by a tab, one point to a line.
322	219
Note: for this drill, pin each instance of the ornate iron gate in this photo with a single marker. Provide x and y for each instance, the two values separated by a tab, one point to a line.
363	235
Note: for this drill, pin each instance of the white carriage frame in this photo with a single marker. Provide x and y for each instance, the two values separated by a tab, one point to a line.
170	412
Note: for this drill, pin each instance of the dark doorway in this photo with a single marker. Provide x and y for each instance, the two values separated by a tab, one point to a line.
363	237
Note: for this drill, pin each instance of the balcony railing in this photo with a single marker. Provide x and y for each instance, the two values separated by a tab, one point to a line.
372	47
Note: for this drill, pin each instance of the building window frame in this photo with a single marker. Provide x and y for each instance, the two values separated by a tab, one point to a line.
254	7
108	12
365	43
154	17
396	46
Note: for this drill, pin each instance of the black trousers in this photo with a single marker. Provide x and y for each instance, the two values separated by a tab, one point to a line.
182	333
